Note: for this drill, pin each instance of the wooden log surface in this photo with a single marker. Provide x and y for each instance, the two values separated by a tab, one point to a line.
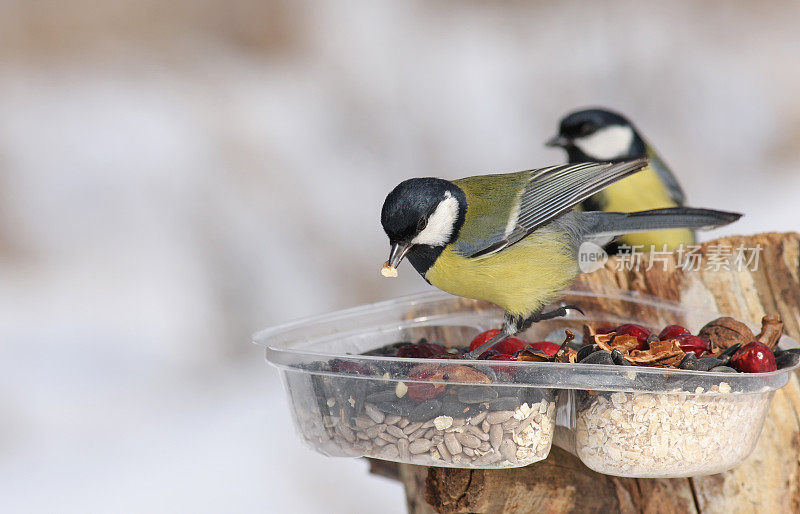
768	481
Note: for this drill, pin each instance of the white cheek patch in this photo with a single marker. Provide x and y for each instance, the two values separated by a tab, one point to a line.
440	224
607	143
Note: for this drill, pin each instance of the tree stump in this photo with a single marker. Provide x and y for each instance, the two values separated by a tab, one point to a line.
768	481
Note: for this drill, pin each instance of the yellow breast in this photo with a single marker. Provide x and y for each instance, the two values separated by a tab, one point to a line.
639	192
520	279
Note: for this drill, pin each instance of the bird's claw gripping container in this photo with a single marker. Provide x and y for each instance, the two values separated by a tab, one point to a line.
349	400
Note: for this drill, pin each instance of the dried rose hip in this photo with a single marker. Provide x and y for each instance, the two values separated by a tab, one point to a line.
637	331
754	357
692	343
672	332
510	345
482	338
546	346
422	350
423	391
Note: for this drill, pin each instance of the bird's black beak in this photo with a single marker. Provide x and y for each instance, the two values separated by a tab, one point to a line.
558	140
399	250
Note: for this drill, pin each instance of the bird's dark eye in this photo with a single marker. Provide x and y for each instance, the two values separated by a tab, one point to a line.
587	128
421	224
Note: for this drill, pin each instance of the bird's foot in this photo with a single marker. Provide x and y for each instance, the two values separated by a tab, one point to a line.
501	336
515	325
555	313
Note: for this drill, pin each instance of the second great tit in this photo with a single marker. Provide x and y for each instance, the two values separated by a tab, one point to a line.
601	135
513	239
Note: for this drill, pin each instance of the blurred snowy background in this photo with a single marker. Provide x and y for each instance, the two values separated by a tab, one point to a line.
175	175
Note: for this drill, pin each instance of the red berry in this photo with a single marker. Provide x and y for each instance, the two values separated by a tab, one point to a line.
754	357
423	391
546	346
423	350
672	332
510	345
637	331
482	338
692	343
504	357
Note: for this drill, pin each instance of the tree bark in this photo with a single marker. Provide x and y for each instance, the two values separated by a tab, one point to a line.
768	481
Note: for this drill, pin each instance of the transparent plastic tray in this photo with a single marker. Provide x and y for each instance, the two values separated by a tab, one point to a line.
620	420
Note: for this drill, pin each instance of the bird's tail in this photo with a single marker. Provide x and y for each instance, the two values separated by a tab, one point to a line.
618	223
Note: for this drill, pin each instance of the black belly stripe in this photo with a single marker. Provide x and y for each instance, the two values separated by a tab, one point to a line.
422	257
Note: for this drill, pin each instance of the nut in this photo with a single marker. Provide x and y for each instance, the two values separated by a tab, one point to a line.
725	332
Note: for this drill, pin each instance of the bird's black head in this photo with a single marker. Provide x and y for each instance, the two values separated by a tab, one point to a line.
421	216
598	135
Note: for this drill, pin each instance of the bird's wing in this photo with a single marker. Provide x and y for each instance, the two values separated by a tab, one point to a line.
665	174
503	209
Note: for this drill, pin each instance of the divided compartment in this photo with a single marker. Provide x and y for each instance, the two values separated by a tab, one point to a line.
619	420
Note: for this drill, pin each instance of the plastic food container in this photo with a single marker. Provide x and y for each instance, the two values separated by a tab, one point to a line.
619	420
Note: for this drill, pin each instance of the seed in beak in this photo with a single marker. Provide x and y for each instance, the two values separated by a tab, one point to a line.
388	270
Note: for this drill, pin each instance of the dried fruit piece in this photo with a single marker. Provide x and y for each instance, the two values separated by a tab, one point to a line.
754	357
725	332
771	330
458	373
532	355
665	354
672	332
637	331
510	345
692	343
590	332
606	338
626	342
419	391
570	355
545	346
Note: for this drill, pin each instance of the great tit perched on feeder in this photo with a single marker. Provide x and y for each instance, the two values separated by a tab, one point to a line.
513	239
600	135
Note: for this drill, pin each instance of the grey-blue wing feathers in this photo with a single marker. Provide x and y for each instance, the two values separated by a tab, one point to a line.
548	193
611	224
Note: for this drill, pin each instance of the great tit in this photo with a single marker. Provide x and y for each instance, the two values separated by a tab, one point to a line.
513	239
600	135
